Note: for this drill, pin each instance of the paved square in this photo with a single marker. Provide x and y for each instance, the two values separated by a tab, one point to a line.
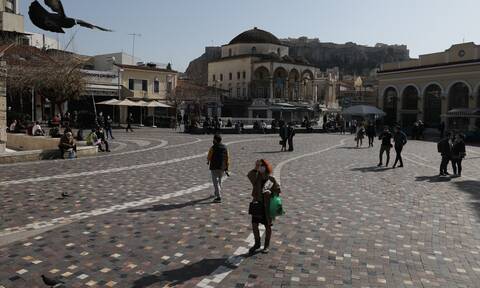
143	217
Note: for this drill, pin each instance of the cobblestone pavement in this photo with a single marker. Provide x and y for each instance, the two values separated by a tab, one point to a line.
143	216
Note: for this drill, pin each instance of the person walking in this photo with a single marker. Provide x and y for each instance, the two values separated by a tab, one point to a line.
441	128
291	134
100	120
283	136
129	122
445	149
218	160
264	186
108	127
458	154
400	140
360	135
371	133
386	138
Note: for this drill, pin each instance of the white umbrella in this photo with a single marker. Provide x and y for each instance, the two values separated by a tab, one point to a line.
126	102
111	102
155	104
141	104
363	110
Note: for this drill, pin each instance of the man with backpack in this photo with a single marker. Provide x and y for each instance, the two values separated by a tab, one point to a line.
218	161
400	140
445	149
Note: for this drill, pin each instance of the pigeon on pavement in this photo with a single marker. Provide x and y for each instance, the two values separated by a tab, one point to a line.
51	282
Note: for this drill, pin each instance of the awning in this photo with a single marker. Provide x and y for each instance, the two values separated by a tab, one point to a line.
363	110
463	113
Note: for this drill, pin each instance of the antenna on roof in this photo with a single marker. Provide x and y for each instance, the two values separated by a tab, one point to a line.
134	35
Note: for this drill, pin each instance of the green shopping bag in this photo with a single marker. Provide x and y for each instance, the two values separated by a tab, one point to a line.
276	207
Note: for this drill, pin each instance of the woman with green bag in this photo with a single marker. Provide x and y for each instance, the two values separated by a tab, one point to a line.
264	186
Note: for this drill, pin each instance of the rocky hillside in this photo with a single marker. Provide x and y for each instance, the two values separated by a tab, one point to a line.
351	58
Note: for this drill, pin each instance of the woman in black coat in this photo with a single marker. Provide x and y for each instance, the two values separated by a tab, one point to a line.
458	153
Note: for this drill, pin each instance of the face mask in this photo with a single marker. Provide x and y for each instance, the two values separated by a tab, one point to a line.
262	169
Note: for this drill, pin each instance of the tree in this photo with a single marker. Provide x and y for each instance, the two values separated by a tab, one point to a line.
56	76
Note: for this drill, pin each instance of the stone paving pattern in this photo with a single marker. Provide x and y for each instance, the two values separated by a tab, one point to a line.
348	223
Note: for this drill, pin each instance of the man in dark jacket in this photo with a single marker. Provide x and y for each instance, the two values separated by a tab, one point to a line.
445	149
386	138
371	133
291	134
400	140
218	161
129	122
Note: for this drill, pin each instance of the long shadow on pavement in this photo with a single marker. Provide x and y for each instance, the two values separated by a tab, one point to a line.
432	179
181	275
473	188
371	169
353	148
162	208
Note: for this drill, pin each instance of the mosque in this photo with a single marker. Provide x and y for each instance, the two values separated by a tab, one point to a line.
261	80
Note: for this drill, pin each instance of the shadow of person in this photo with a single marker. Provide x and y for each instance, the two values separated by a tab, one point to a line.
370	169
471	187
168	207
270	152
432	179
181	275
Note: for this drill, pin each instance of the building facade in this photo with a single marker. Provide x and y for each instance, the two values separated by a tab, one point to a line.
145	82
12	27
433	87
256	69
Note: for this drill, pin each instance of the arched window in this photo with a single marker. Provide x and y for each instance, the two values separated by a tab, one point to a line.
254	50
410	98
390	105
458	96
433	105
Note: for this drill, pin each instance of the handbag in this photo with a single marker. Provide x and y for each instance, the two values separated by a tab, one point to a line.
276	207
256	209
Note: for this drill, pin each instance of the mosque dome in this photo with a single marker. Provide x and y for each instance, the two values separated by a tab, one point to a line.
255	35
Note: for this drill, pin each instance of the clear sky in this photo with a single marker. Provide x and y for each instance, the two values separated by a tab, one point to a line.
177	31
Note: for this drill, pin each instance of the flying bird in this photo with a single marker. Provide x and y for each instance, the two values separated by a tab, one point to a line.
58	21
51	282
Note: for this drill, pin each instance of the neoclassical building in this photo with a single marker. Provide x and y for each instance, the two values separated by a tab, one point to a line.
256	69
438	87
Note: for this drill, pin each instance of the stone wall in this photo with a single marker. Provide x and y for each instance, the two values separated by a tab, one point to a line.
3	106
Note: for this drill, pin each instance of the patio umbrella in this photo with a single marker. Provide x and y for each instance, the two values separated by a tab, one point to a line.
111	102
127	103
156	104
363	110
141	104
